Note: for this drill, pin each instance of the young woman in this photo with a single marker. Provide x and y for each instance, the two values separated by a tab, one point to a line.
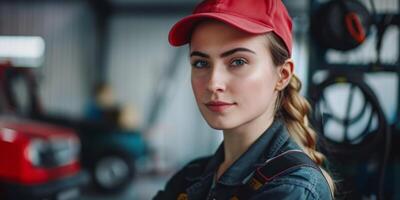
243	82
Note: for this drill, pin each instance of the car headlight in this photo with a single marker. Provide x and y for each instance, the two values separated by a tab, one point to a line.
65	151
53	152
36	149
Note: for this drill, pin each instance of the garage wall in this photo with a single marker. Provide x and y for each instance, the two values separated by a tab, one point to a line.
67	29
384	84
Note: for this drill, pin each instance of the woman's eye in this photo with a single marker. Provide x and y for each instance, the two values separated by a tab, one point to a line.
200	64
238	62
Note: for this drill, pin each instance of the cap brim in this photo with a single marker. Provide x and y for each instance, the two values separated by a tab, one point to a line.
180	33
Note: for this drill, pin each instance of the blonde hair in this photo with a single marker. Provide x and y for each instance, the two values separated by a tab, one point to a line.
294	109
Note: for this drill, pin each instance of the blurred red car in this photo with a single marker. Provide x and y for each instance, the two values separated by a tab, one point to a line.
39	161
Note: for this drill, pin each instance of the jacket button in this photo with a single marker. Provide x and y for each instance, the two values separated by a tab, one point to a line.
182	196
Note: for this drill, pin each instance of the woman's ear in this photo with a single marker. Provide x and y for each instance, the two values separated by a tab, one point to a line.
285	73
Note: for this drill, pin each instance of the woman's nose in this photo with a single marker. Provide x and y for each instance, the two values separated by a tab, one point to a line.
217	80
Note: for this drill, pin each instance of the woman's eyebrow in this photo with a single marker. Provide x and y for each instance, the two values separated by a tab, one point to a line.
232	51
198	53
225	54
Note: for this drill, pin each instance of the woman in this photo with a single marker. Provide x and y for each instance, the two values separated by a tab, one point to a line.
243	82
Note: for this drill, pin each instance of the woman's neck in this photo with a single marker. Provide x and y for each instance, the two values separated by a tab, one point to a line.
238	140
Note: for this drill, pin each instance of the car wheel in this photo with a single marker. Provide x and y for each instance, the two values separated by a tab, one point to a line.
112	172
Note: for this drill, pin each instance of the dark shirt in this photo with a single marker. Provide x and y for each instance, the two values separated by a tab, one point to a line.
197	179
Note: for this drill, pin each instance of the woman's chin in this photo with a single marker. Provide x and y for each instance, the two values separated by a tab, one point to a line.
221	121
219	125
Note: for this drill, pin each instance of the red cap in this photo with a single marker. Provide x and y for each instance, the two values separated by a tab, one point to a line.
252	16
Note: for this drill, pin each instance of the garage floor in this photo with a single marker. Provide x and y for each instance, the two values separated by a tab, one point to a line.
144	187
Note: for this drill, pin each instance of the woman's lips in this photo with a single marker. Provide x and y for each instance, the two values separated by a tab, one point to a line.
218	106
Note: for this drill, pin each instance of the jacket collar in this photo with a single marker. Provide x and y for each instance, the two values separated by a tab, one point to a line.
265	147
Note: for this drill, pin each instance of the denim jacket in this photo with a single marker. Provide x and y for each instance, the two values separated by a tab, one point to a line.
196	180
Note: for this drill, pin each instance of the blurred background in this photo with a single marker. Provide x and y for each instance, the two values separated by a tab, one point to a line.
95	104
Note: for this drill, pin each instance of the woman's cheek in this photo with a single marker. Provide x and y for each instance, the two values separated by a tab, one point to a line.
198	87
253	90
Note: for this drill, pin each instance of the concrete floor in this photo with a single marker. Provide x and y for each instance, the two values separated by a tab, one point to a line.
144	187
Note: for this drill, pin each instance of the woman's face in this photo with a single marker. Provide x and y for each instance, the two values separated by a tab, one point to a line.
233	76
